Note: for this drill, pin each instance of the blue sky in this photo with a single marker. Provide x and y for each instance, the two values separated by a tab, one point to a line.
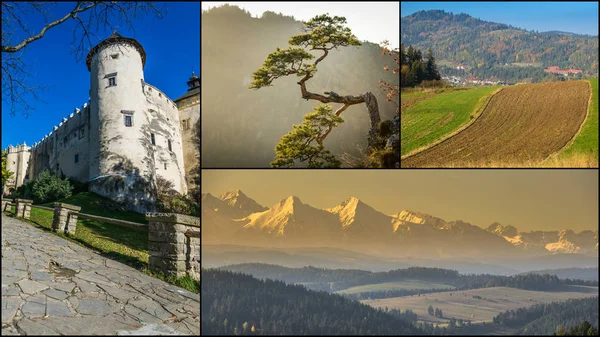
574	17
172	46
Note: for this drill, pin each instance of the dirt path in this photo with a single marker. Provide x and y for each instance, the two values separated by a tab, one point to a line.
525	123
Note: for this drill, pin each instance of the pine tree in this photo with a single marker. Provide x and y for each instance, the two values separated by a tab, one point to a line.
432	72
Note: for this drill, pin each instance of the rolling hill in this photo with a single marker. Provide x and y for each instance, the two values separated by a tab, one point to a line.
489	49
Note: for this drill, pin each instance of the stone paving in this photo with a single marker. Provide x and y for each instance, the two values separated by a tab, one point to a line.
51	286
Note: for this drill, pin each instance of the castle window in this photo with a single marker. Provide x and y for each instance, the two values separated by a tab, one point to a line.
77	158
165	166
128	114
152	139
114	56
159	94
185	124
149	89
112	81
65	141
169	143
81	133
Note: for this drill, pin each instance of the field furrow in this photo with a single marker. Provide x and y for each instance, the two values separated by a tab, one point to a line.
521	124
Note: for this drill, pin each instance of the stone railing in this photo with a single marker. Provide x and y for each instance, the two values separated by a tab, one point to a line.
23	209
65	218
174	244
6	204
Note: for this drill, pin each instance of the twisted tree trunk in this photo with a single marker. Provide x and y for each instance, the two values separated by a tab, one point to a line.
331	97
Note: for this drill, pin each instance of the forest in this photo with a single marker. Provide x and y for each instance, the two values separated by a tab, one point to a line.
234	303
546	318
414	69
488	49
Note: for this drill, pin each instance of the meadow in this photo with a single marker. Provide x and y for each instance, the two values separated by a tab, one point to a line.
428	117
478	305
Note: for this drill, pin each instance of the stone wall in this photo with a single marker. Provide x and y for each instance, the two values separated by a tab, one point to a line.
172	252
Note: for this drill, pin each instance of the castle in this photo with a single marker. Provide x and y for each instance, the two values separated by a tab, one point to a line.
128	134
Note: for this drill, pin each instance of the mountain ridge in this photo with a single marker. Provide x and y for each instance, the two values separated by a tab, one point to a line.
356	223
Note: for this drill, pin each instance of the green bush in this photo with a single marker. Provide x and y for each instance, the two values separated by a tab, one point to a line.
48	187
169	200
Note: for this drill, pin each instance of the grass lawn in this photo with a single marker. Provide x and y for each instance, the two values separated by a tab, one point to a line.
586	143
124	244
408	284
430	120
94	204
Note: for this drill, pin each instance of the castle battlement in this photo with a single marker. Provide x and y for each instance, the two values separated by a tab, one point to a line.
59	128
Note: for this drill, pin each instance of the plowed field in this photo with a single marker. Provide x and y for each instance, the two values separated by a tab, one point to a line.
523	123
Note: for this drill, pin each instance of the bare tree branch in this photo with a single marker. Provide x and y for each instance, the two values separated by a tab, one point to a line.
89	17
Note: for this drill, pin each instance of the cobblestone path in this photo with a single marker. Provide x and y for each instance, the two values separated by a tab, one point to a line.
51	286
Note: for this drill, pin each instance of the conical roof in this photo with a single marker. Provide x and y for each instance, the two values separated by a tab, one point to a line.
114	38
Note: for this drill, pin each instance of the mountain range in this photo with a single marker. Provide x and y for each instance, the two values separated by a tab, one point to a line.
495	49
235	218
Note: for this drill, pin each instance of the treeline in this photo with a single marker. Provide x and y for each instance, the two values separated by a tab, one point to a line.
583	329
331	280
234	303
414	70
545	318
365	295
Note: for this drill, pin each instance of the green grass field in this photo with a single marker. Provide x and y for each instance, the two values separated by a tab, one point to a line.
430	120
586	143
124	244
407	284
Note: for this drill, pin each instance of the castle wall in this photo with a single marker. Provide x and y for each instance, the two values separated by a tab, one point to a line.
56	152
190	110
164	122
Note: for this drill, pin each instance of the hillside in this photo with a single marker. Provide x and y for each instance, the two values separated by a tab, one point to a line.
511	133
492	49
234	303
237	121
579	273
544	318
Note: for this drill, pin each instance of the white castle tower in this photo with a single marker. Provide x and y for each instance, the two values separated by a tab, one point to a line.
121	159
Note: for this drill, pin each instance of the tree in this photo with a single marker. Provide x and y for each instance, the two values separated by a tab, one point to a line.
88	17
321	33
195	192
305	142
6	173
430	310
431	68
560	331
49	187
